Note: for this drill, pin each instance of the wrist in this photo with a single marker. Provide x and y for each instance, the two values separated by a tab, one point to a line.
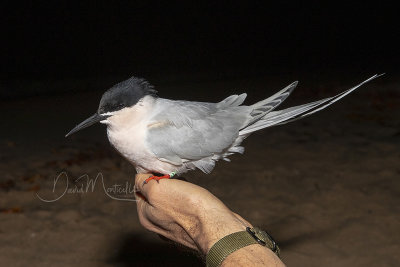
217	227
253	242
253	255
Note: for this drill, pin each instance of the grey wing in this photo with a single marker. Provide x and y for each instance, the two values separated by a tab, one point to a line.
192	131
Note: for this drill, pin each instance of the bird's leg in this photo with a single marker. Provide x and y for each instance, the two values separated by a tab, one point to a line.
157	178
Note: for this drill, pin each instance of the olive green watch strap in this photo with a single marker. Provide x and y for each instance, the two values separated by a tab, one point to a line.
230	243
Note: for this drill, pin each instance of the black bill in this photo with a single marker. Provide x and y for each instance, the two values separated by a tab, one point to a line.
88	122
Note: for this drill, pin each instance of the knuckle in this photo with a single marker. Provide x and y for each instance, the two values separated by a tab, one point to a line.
195	201
140	178
144	222
148	225
152	189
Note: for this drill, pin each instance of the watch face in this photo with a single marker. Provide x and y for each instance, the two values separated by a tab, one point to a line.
263	238
260	236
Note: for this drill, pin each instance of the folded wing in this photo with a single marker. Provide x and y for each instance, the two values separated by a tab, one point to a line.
192	131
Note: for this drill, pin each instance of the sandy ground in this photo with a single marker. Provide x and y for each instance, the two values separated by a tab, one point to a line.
327	187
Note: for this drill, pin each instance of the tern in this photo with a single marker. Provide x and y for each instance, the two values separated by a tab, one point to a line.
171	137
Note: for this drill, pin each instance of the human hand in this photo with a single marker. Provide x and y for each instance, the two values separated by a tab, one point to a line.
185	213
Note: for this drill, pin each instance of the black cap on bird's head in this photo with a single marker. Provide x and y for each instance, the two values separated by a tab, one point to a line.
122	95
125	94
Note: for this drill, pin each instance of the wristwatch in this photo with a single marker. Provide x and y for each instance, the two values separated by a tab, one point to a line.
230	243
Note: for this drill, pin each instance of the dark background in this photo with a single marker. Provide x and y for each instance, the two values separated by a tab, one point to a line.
326	187
99	43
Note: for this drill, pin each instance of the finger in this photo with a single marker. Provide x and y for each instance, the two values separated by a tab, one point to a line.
148	212
152	190
159	223
145	219
140	178
153	220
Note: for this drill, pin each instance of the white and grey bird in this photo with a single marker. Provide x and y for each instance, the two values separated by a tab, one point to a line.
170	137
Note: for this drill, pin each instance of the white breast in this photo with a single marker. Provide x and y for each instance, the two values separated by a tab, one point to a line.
127	130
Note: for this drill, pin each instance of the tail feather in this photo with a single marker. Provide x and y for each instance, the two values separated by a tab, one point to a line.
267	105
297	112
232	101
279	117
